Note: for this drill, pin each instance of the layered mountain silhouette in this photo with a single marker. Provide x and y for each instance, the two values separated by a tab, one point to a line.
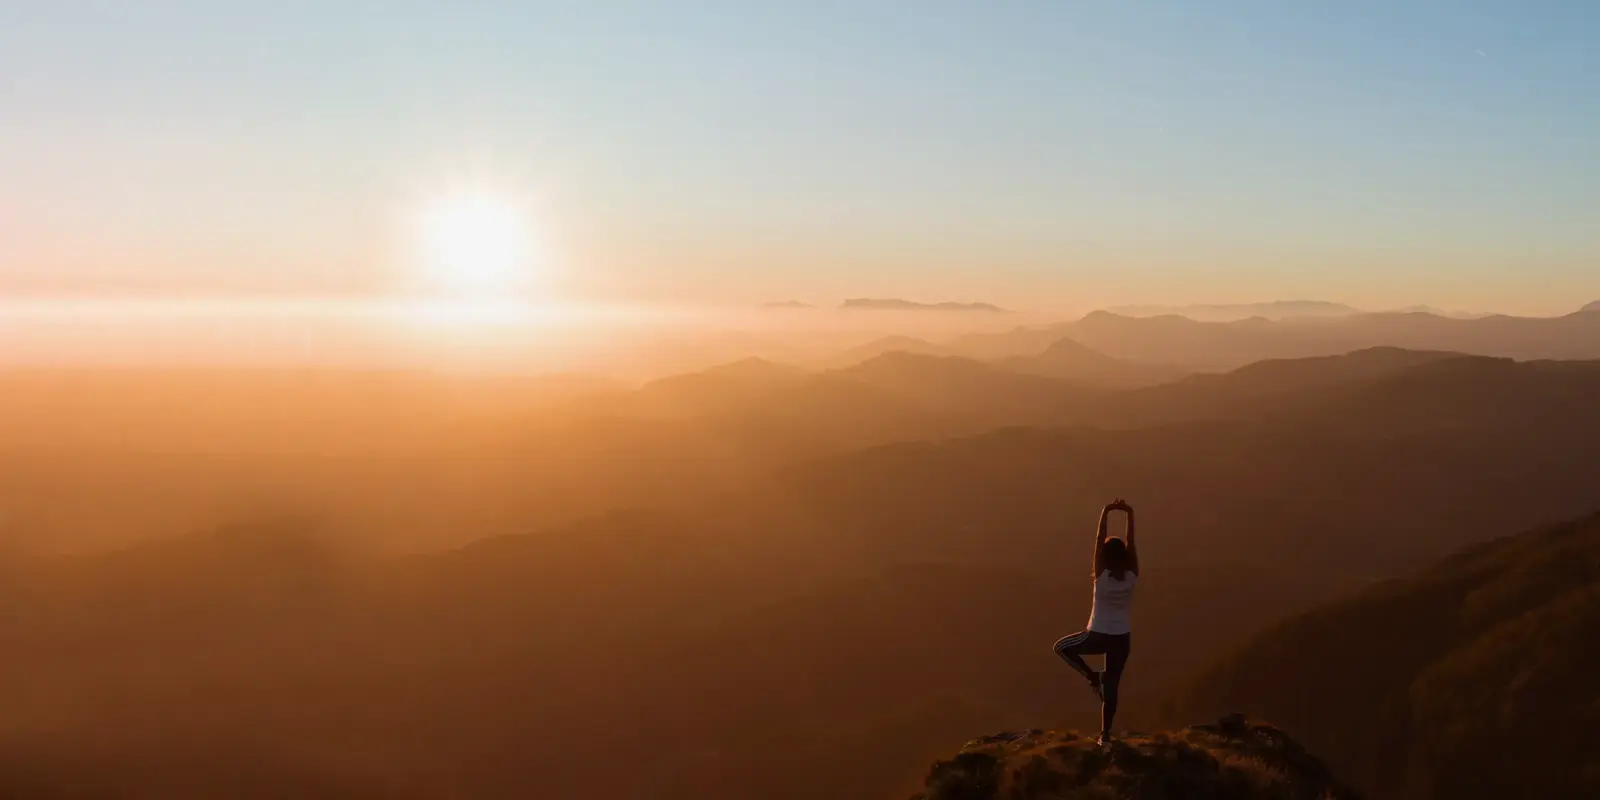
1277	386
984	395
1220	346
1473	679
1228	312
1060	358
1466	441
897	304
886	345
1021	342
1067	359
866	565
725	429
721	387
1234	758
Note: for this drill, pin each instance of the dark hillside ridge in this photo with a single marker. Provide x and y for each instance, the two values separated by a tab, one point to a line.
1473	679
1234	759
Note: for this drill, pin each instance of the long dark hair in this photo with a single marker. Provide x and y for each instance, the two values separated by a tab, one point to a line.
1114	558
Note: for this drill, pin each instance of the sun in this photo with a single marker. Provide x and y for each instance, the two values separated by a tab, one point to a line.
476	244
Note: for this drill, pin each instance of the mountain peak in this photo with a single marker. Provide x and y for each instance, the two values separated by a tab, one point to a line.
1067	347
902	360
1595	306
1235	758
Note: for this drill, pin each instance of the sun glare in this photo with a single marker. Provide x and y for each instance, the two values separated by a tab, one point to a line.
477	245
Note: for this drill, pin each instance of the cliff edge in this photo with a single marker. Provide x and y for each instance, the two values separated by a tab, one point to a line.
1234	759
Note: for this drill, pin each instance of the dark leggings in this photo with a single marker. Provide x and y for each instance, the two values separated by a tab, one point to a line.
1115	648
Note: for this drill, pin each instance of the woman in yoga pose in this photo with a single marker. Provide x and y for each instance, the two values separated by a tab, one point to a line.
1109	632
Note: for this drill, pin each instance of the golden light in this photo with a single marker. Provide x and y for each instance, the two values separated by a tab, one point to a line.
477	244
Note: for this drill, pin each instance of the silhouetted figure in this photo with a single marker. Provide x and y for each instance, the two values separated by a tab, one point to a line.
1116	572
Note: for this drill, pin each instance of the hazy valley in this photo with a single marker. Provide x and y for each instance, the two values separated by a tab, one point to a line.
505	584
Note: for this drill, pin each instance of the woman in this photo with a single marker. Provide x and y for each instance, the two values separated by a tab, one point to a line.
1116	572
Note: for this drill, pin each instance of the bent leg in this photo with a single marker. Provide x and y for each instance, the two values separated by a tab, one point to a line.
1073	648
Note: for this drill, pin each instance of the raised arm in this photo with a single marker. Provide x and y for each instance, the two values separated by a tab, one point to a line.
1133	547
1100	537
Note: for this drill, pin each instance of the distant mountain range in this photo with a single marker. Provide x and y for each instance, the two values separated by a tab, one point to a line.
1118	351
1060	358
826	557
1220	346
1200	312
1417	441
896	304
1227	312
1068	359
887	304
1438	312
889	344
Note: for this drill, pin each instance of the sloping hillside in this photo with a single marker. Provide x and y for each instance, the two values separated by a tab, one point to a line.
1233	759
1474	679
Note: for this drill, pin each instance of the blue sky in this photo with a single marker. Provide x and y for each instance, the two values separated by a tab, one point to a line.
1072	152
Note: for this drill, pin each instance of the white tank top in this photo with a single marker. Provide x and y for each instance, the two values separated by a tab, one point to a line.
1113	603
